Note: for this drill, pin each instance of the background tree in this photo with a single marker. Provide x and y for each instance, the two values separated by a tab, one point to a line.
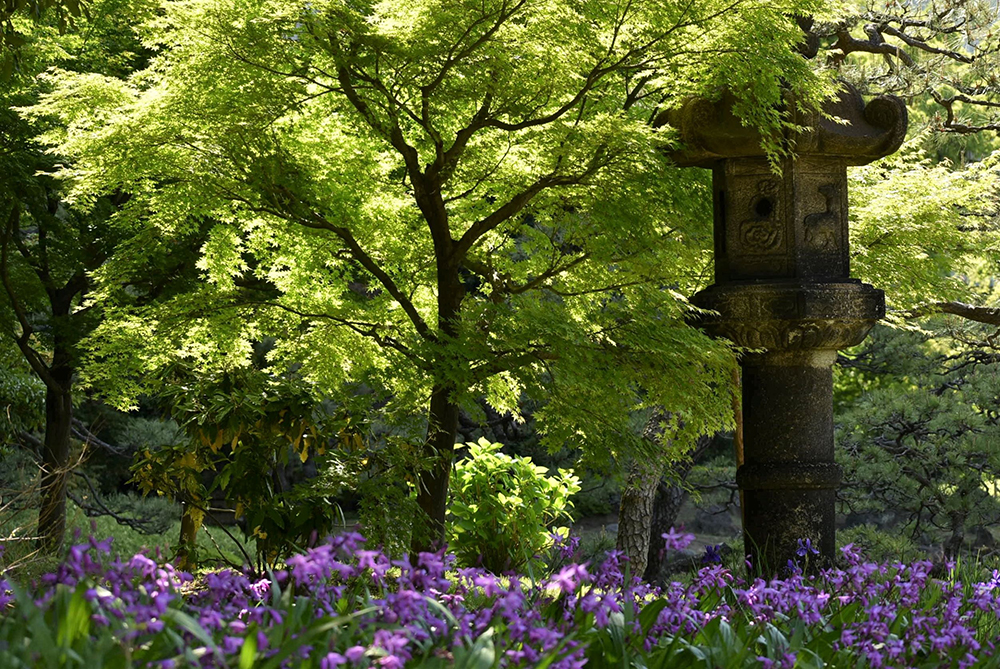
919	220
486	173
919	445
917	423
15	28
49	249
942	55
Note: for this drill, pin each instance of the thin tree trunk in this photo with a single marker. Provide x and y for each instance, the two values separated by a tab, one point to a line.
953	546
635	514
667	504
187	558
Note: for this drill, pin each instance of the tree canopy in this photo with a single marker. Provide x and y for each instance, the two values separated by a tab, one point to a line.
49	250
429	200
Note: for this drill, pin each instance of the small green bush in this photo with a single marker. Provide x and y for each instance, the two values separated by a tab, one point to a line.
503	508
140	433
22	397
880	545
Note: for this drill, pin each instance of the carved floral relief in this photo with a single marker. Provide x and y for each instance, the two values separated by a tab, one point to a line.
762	233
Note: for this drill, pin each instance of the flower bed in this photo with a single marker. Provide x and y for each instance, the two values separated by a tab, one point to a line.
339	605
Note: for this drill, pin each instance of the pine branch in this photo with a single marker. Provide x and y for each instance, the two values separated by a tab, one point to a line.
951	124
918	43
31	440
83	433
139	525
848	44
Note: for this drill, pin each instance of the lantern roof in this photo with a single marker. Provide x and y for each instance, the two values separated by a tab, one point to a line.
847	131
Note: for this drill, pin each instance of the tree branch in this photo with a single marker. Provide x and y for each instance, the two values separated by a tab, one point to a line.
83	433
452	58
426	187
515	205
987	315
239	544
924	46
102	509
847	44
366	261
31	440
508	362
364	329
24	340
448	160
950	123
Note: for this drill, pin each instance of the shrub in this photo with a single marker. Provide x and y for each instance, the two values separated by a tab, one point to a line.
139	434
22	397
240	432
386	509
502	508
18	479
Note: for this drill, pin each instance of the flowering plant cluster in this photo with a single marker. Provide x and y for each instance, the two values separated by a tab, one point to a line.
340	605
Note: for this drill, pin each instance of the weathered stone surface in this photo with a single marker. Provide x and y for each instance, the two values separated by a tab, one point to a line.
792	227
783	291
775	520
710	132
792	314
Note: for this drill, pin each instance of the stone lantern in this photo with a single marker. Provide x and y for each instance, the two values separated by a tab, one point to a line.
783	292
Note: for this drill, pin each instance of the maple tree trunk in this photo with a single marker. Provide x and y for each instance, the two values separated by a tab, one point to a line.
442	423
55	460
58	379
432	484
